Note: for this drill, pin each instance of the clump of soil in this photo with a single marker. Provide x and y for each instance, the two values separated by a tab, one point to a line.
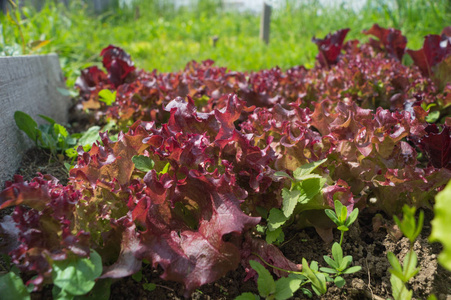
37	160
368	248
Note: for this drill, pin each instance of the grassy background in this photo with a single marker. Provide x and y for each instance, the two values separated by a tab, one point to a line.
159	36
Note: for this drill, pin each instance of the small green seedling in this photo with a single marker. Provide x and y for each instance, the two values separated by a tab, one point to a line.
401	274
303	194
409	226
317	278
52	136
339	265
107	96
340	217
433	115
285	287
148	286
268	288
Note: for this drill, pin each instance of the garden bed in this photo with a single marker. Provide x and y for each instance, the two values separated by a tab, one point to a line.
214	174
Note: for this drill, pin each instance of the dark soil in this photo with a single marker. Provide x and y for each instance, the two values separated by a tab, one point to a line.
37	160
367	246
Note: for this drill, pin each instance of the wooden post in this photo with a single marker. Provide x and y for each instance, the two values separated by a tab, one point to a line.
101	5
37	4
3	6
215	40
265	22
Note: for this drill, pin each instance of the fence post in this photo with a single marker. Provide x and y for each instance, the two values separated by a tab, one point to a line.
265	22
101	5
5	6
37	4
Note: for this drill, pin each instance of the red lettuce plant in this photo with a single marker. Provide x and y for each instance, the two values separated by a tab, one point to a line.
35	237
435	49
391	40
186	219
330	47
373	157
436	144
118	64
368	156
362	75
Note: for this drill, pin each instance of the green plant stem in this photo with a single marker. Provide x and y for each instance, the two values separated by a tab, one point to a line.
277	268
164	287
286	242
341	237
17	23
408	263
12	3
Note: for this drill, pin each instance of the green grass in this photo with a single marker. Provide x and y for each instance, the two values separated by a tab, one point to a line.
165	39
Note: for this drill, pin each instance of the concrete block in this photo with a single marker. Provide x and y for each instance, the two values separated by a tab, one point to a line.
30	84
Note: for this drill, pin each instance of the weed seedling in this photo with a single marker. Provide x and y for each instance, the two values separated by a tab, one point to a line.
341	219
146	285
339	265
305	187
52	136
401	274
285	287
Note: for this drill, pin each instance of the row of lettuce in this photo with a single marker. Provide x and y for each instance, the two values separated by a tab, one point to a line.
205	154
